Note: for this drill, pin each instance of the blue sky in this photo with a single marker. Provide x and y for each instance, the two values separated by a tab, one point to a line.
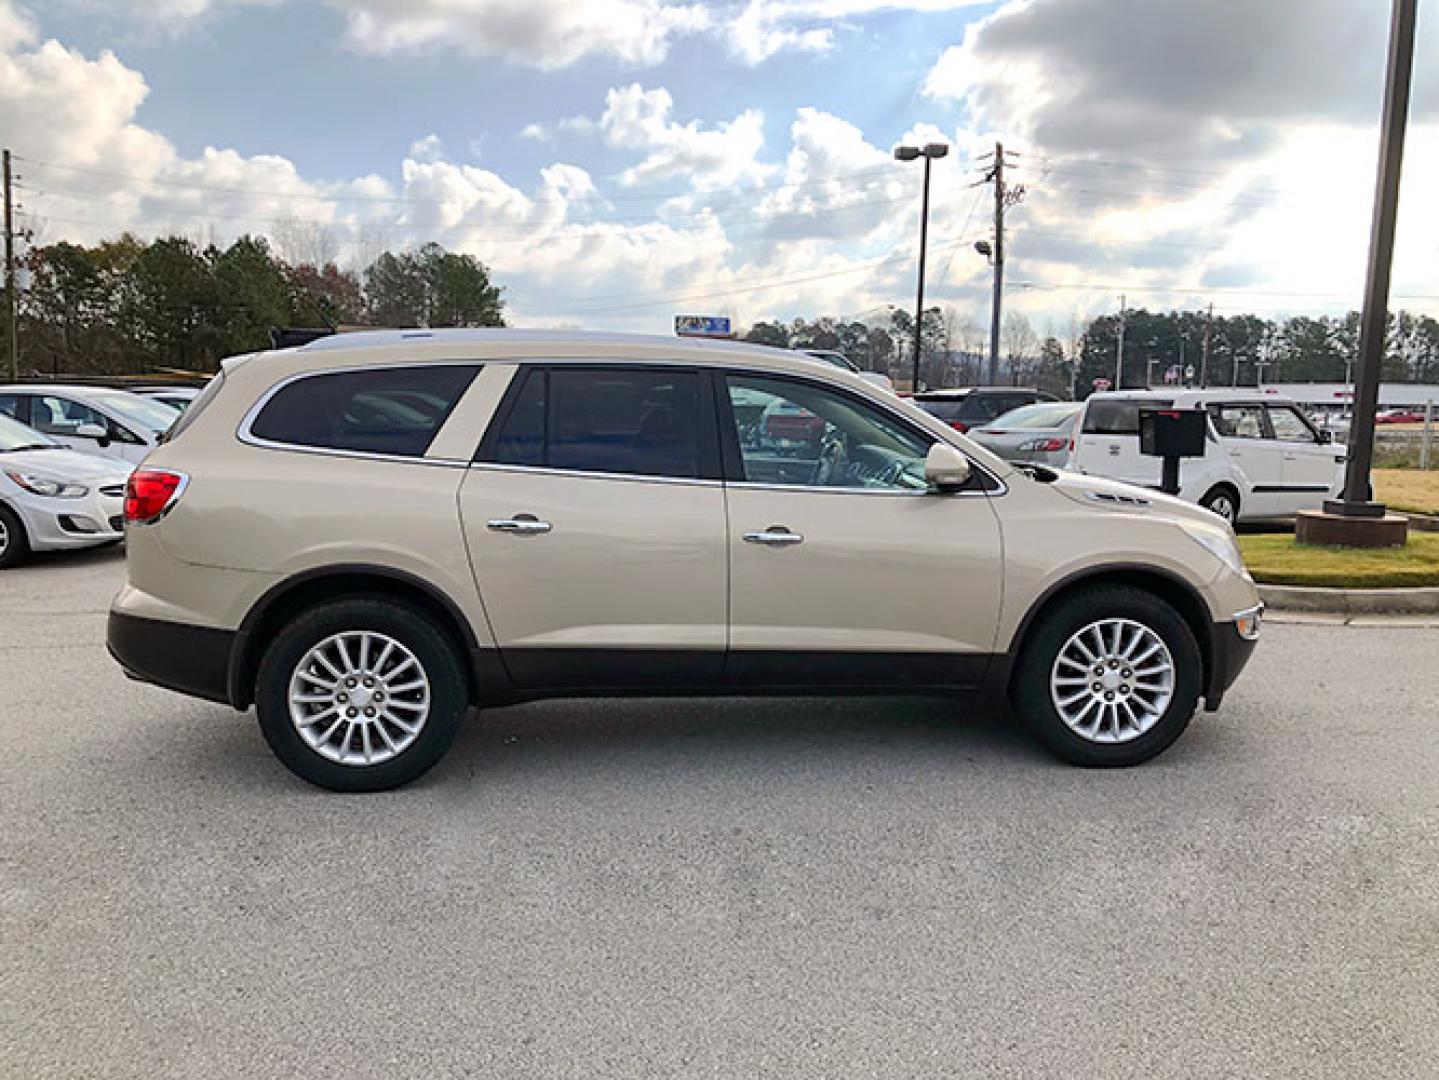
616	161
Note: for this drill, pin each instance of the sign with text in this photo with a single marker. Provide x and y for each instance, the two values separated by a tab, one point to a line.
713	326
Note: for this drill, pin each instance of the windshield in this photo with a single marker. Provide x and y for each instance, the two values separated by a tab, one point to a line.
154	415
1044	415
14	435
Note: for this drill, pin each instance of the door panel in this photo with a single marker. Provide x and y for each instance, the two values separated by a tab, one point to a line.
914	576
843	569
1244	440
595	578
1310	468
626	564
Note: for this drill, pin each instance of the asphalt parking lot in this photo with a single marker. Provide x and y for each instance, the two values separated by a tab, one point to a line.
838	888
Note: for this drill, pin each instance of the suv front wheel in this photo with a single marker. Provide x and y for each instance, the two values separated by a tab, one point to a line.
1110	677
360	694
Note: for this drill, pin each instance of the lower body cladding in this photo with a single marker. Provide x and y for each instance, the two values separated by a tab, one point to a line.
205	662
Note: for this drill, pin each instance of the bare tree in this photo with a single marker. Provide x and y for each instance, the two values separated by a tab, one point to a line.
1019	342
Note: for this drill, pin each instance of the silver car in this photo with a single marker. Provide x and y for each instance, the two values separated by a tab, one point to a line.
1037	433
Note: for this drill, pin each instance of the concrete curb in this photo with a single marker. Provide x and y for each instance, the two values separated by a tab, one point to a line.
1351	601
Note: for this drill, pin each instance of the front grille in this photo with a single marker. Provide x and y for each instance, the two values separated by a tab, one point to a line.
114	491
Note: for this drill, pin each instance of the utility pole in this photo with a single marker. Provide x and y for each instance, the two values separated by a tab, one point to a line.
1004	198
1204	357
13	335
1119	353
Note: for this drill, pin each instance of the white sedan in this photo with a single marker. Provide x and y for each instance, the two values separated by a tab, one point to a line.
53	498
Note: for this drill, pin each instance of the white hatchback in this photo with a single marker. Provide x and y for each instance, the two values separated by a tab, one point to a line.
1263	457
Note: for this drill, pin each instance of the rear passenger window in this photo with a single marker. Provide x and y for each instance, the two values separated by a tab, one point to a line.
641	422
1117	417
395	410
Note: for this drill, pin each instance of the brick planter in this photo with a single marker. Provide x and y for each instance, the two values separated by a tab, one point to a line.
1313	527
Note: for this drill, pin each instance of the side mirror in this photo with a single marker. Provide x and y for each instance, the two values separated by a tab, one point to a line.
92	431
945	468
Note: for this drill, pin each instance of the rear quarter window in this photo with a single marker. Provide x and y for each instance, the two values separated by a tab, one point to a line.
393	410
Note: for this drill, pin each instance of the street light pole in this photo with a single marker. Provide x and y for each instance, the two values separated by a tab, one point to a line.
929	152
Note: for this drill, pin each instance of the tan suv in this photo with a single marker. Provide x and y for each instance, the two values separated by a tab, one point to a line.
368	535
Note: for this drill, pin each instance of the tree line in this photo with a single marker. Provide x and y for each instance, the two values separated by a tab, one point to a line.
127	306
1237	350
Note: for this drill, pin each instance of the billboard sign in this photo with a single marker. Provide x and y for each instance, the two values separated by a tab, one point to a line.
710	326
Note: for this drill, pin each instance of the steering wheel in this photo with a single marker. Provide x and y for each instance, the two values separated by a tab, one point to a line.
831	460
892	476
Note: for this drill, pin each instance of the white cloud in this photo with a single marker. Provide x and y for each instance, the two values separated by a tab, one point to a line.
430	148
639	119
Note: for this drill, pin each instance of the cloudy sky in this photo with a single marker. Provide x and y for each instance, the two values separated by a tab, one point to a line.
618	161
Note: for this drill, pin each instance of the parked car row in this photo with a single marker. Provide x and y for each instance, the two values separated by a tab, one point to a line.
1264	457
66	453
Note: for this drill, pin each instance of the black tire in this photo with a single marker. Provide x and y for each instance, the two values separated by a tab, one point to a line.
431	647
1030	689
14	542
1224	501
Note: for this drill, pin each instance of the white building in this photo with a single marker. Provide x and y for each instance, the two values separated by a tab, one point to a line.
1339	396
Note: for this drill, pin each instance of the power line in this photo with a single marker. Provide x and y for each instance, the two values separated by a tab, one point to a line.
395	199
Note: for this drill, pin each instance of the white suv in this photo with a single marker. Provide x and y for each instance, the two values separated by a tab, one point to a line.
367	535
1263	457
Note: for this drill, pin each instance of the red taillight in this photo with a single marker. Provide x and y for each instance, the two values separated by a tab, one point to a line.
150	492
1050	445
959	426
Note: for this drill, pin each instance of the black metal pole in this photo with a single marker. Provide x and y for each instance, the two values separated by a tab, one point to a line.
1356	501
919	294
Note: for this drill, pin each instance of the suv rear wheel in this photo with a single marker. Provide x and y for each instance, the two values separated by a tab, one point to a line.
360	694
1110	677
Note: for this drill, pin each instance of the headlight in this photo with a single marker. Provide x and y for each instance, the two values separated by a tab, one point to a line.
53	489
1218	542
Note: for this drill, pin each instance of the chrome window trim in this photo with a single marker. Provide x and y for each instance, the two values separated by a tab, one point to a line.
593	474
244	434
888	492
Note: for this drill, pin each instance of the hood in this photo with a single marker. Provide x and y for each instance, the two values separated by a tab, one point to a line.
1099	491
67	465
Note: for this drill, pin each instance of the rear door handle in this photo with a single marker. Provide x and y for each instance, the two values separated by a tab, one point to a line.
525	524
774	536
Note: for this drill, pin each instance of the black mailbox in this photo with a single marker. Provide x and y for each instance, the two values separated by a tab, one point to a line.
1172	432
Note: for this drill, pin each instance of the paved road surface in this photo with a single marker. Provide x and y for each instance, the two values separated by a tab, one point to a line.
863	888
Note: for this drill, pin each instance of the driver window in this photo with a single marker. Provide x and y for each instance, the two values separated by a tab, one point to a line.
1289	426
796	433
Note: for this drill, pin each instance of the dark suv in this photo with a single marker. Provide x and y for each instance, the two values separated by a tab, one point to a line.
964	409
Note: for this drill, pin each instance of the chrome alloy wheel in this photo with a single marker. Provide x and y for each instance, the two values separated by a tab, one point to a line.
1112	681
359	698
4	536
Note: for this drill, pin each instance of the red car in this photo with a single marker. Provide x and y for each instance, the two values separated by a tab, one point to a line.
1399	416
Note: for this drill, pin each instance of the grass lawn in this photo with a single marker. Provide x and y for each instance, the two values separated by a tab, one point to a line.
1275	559
1408	489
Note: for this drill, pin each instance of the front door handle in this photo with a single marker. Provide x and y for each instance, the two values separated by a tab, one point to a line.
524	524
774	536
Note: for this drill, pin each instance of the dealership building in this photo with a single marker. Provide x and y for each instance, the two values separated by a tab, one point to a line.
1339	396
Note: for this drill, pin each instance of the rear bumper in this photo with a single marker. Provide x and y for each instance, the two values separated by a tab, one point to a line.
192	660
1229	651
